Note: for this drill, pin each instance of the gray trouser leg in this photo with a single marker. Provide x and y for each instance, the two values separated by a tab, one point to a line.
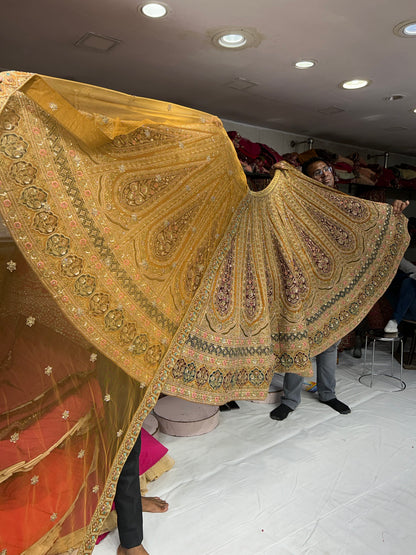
326	364
292	388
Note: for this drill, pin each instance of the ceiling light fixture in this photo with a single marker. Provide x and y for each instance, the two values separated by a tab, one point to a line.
235	38
153	9
305	64
405	29
354	84
414	110
232	41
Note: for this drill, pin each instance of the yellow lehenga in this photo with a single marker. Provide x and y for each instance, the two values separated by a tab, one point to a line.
147	265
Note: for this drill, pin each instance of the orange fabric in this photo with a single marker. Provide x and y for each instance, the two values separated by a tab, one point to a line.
32	507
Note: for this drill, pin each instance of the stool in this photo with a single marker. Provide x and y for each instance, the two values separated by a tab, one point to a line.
393	341
178	417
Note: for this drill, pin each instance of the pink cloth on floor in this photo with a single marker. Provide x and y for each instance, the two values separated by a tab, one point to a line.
151	452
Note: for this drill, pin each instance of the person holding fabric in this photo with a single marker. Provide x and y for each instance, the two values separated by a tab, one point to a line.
326	362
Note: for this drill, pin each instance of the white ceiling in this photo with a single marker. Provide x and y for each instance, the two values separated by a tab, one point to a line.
173	59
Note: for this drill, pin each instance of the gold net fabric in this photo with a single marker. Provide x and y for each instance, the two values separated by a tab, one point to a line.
145	264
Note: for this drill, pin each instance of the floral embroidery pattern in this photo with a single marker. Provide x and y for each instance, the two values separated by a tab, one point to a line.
11	266
14	438
24	173
13	146
48	370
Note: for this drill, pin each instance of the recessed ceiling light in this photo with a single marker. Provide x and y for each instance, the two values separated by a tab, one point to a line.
405	29
153	9
354	84
414	110
232	41
235	38
305	64
410	29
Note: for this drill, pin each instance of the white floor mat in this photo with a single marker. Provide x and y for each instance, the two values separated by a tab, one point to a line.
317	483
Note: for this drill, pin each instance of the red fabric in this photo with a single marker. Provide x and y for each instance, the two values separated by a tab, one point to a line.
387	178
343	166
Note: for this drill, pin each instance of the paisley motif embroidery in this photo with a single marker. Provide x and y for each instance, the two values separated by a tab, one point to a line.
321	260
166	240
149	138
140	189
269	287
251	292
294	282
222	297
344	239
350	206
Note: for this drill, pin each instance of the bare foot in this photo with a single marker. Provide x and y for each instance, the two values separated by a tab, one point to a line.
139	550
154	505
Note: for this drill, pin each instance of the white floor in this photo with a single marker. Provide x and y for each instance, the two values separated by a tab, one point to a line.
317	483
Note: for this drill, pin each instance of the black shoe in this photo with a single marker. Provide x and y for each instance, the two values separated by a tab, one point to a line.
337	405
281	412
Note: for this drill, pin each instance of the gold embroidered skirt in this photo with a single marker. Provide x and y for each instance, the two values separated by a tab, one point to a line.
149	266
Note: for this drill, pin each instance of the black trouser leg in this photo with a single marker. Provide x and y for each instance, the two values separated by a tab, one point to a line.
128	501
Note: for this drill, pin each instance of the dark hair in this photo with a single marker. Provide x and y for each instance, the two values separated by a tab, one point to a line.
311	161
